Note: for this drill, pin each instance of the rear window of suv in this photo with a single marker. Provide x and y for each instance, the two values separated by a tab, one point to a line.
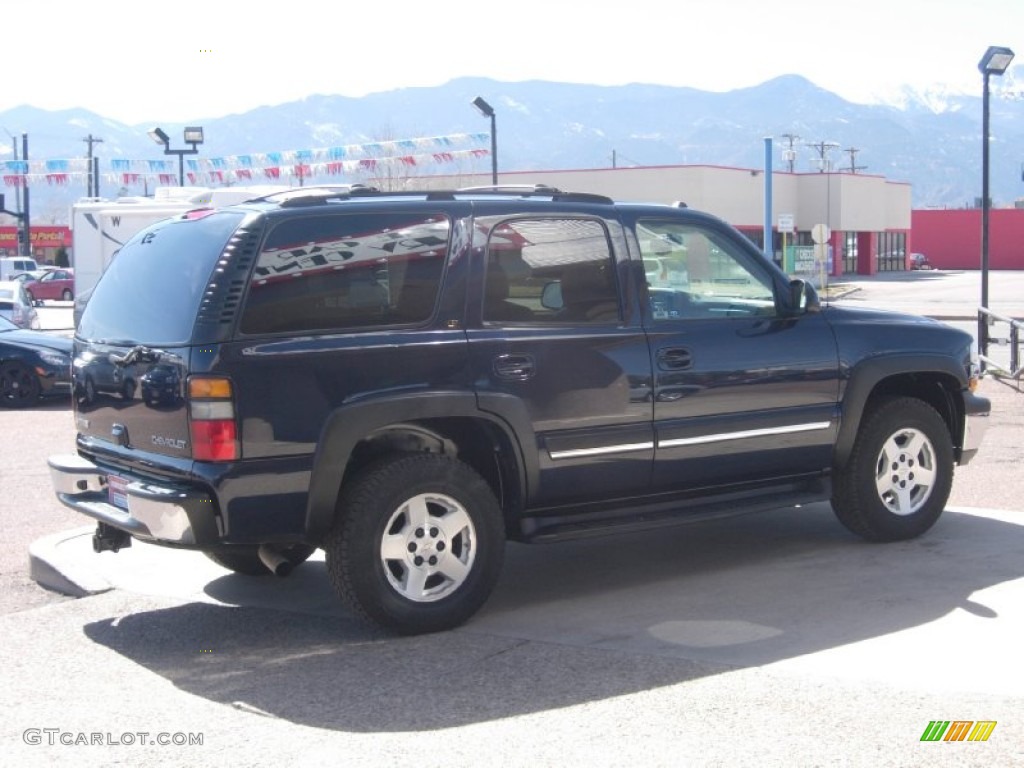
151	292
347	272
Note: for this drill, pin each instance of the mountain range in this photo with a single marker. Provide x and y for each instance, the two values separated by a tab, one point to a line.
930	140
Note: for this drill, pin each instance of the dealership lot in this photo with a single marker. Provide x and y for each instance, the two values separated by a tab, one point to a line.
777	639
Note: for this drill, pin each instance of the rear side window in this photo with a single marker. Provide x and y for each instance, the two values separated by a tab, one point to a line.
347	272
150	294
554	270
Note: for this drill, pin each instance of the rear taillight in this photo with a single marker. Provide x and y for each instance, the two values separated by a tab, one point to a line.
211	410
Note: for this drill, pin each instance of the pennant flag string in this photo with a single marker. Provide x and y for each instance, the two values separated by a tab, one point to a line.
302	163
298	170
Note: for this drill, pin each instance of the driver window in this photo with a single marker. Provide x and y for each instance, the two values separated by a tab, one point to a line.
694	273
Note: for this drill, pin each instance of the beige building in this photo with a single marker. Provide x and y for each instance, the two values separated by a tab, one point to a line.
868	216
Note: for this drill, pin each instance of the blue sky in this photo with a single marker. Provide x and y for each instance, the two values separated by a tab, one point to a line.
142	61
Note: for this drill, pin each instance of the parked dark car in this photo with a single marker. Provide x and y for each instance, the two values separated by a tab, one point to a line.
408	380
919	261
100	372
33	364
53	285
161	384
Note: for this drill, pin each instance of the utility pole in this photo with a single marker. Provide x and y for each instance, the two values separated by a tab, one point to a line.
823	148
789	154
94	183
26	226
852	152
17	190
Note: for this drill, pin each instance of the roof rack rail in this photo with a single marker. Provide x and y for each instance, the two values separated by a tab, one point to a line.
540	190
321	195
514	189
679	204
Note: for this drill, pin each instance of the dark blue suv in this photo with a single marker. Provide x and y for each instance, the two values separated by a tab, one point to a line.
408	380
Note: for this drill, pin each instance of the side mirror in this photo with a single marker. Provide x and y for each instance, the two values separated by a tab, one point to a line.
802	297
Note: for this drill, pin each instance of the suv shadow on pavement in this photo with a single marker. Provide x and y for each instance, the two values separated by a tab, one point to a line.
595	619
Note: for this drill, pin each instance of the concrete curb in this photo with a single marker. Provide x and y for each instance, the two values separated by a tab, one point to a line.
61	573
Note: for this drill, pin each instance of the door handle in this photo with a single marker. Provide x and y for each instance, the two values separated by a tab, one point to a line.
514	367
674	359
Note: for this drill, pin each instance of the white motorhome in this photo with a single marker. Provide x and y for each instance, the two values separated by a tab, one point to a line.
100	227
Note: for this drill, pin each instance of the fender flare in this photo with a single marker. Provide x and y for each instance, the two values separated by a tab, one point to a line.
865	377
352	422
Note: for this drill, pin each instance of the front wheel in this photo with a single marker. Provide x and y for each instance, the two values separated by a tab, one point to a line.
418	543
898	477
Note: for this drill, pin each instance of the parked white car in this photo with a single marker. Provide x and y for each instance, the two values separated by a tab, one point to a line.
16	306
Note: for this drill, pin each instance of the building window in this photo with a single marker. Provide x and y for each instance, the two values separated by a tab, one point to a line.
850	253
892	250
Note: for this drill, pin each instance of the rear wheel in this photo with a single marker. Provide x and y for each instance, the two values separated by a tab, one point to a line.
418	543
67	295
19	387
246	560
900	472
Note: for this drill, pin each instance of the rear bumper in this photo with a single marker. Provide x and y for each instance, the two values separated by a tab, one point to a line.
161	513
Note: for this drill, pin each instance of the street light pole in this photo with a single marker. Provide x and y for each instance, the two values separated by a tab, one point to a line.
995	62
17	194
488	111
193	135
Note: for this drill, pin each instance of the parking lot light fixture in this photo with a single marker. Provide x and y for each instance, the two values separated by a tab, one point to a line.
488	111
193	135
159	137
995	62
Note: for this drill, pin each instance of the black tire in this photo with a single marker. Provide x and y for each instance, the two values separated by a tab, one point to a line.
459	541
67	295
246	560
899	475
128	389
19	387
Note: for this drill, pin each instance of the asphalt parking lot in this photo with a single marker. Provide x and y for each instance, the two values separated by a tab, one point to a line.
777	639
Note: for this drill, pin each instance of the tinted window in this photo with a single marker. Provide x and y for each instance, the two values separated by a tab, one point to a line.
347	271
696	273
151	292
550	270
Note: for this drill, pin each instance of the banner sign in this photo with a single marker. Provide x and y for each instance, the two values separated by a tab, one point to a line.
300	163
